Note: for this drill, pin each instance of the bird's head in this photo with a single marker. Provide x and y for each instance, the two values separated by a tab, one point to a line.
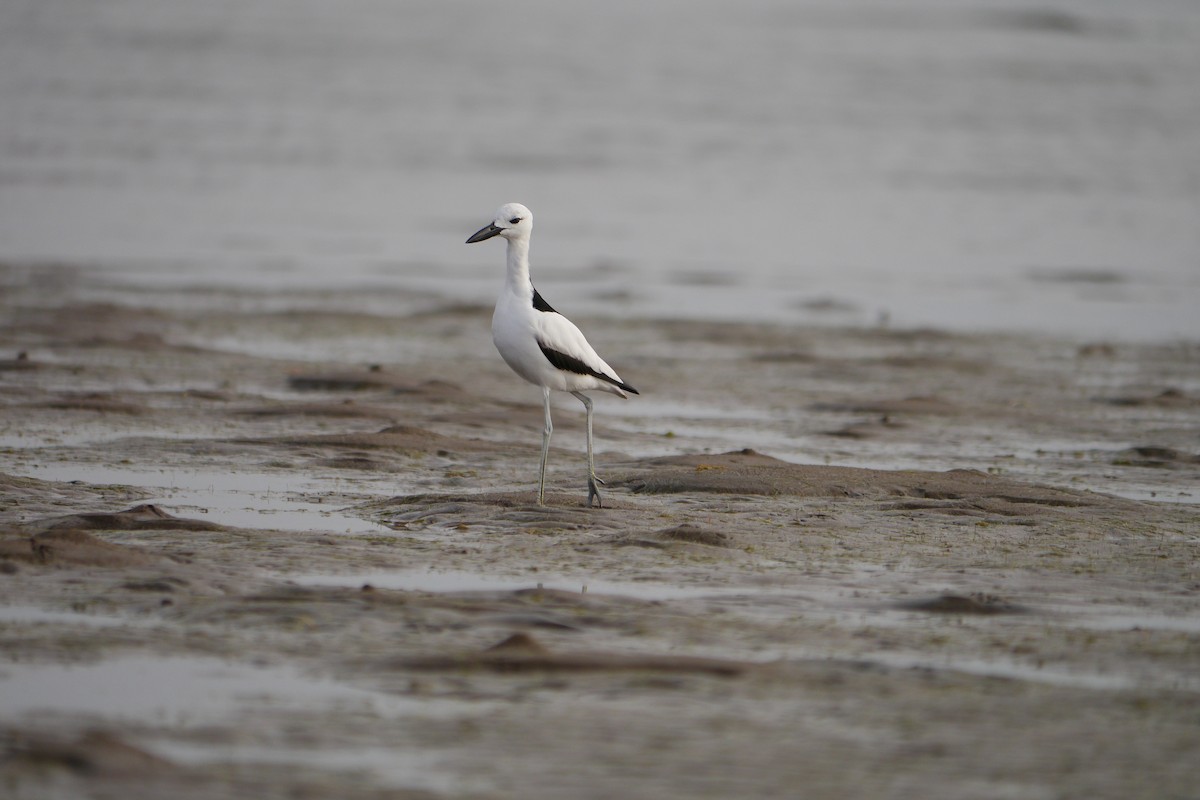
512	221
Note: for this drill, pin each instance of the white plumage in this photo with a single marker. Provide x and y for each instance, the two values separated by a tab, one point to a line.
541	345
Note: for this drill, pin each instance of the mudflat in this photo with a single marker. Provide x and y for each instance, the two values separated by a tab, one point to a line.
265	546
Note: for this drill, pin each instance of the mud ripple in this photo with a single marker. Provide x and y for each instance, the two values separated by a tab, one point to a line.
145	517
959	491
492	509
70	548
523	653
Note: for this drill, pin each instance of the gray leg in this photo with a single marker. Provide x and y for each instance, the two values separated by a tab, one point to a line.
546	431
593	492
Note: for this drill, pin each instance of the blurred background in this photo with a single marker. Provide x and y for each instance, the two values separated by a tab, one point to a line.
968	164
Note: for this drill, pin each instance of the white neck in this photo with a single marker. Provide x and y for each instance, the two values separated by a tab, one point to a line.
517	281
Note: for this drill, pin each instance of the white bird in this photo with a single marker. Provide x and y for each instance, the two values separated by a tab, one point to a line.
541	345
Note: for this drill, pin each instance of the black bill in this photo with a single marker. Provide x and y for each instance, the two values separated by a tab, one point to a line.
486	232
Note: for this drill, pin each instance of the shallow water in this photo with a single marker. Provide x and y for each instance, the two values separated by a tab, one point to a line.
176	690
973	166
241	498
457	581
388	766
187	698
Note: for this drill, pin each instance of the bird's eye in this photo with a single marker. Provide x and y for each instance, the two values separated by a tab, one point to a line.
515	220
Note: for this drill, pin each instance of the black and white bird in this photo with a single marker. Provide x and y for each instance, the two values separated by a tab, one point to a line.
541	345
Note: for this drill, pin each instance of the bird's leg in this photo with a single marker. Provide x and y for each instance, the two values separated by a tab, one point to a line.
546	431
593	492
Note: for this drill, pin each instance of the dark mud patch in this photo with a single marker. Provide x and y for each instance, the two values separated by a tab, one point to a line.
523	653
1155	456
685	534
827	305
24	496
1167	398
357	461
869	429
908	405
164	585
96	753
145	517
458	612
346	409
21	361
751	473
74	548
97	402
372	378
289	608
1087	275
692	534
514	510
979	604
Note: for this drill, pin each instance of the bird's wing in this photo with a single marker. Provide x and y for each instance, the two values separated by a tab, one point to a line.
566	348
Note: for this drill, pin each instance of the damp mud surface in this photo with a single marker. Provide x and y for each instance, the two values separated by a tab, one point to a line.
833	562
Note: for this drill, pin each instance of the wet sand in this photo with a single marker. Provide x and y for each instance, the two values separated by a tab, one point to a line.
836	562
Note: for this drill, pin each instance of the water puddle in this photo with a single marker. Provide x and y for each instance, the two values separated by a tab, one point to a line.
419	581
235	498
400	768
176	691
189	695
1120	619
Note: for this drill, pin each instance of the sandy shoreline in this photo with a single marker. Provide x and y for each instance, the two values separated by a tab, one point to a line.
865	562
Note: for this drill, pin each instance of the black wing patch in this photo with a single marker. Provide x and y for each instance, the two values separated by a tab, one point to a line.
539	303
571	364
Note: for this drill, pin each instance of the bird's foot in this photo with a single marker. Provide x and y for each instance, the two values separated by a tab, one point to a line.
593	492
